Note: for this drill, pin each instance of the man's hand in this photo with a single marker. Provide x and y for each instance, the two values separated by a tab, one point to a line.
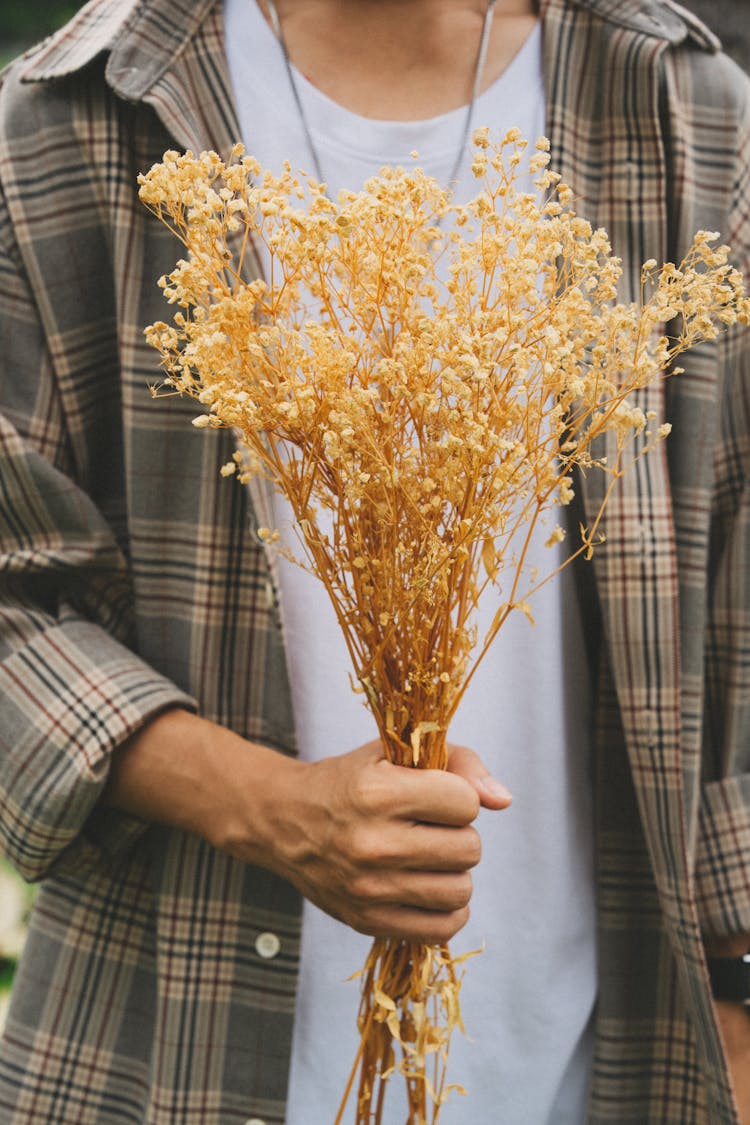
386	849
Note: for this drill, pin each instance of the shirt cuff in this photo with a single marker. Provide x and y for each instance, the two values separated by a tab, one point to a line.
68	699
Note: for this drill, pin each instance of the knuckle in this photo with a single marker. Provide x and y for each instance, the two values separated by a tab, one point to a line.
472	802
464	889
375	847
380	786
473	847
362	922
359	847
447	925
455	892
463	794
362	793
365	888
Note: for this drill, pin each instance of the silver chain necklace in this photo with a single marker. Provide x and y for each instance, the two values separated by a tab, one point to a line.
478	71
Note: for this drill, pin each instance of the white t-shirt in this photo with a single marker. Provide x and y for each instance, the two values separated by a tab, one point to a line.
527	999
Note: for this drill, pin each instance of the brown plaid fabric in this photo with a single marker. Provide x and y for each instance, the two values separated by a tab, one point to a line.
130	583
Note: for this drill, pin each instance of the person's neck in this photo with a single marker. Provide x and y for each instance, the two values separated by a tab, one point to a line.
400	59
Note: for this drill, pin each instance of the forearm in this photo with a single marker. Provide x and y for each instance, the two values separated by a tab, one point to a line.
192	774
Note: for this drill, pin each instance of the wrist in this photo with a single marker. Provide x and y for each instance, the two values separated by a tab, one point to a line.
255	820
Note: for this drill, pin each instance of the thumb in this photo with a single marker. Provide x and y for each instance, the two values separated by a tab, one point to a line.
468	765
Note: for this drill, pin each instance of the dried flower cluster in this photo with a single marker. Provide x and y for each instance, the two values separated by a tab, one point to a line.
420	379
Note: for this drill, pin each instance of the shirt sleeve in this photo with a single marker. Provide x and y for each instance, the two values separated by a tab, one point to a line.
72	687
723	857
723	845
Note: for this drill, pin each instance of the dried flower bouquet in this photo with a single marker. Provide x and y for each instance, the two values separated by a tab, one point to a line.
420	380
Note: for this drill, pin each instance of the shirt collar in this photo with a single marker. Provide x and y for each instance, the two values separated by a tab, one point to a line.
660	19
141	38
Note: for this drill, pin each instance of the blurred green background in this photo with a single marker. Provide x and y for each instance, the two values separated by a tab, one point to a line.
23	23
15	903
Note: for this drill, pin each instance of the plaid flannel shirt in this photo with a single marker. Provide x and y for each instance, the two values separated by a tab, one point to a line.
130	583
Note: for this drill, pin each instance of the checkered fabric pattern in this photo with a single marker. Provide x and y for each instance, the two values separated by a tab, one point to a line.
130	583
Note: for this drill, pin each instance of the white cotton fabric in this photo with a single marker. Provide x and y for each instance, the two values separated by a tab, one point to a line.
528	999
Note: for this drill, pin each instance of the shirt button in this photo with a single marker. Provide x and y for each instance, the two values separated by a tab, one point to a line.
266	945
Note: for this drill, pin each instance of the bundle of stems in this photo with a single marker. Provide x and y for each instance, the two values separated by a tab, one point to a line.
420	379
